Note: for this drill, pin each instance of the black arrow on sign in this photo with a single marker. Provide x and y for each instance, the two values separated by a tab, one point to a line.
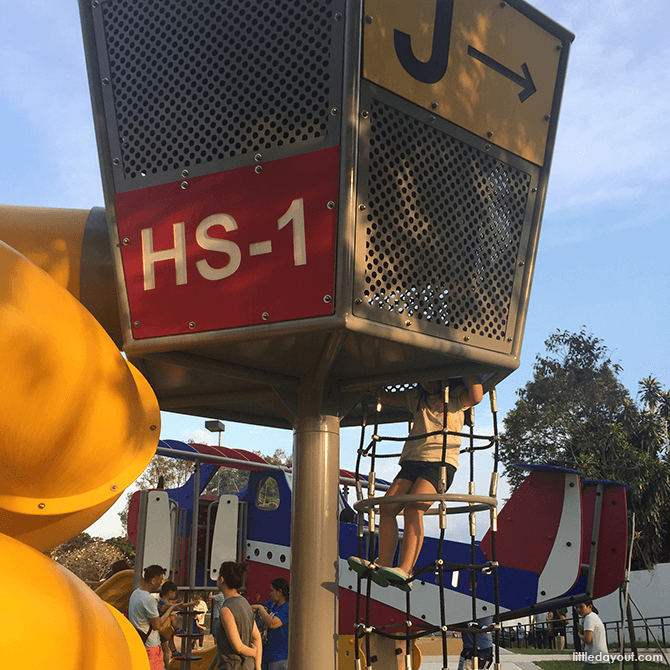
526	82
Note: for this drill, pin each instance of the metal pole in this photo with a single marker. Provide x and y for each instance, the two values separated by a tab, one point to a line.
193	547
314	546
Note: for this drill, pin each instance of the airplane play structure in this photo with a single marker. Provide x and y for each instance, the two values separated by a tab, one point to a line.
303	201
559	540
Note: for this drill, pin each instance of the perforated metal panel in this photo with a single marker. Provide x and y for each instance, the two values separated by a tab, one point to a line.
207	85
442	229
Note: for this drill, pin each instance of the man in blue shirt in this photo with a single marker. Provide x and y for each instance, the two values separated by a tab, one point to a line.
274	614
484	648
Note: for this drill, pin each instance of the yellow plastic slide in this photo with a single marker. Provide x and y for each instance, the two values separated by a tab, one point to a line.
78	424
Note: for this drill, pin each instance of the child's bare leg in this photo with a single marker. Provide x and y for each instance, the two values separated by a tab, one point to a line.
388	522
166	653
413	532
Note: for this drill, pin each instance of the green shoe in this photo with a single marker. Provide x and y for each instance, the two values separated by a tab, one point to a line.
366	569
396	577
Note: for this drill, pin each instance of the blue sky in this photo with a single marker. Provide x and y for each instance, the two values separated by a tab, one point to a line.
602	260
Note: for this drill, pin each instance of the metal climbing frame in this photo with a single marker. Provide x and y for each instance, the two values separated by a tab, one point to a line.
469	503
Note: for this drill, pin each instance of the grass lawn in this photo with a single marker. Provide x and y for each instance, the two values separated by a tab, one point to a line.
538	652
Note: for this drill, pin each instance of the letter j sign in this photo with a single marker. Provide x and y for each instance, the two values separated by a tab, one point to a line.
481	64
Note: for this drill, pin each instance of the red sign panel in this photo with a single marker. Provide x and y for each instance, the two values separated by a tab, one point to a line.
237	248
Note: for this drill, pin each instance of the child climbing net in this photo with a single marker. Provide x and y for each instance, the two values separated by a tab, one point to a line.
428	461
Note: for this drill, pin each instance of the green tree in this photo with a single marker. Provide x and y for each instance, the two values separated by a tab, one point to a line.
92	558
162	471
576	413
650	390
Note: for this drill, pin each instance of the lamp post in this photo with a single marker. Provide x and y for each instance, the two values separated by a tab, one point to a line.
216	426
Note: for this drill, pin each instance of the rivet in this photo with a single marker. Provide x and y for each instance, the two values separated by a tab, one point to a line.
509	339
152	427
368	19
466	338
258	169
489	134
327	298
184	174
330	204
559	47
408	323
533	190
136	324
258	157
41	506
362	208
365	113
95	4
113	487
503	4
431	119
105	81
126	241
184	185
521	263
433	105
487	147
547	117
568	544
358	301
338	16
265	316
143	173
191	325
116	161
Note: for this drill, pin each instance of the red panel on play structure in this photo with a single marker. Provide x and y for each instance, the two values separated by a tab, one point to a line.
243	247
227	452
528	523
612	537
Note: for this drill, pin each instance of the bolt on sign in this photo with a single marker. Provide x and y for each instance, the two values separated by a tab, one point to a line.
373	166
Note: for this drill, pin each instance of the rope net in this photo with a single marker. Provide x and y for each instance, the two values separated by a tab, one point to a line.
447	504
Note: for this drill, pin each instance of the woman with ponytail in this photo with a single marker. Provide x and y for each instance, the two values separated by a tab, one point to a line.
240	646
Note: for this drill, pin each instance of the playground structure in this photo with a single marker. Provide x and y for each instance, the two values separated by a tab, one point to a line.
281	243
581	549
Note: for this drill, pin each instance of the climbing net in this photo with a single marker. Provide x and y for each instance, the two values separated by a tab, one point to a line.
448	503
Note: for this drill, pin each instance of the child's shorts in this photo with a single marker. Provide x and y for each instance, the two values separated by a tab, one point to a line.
428	470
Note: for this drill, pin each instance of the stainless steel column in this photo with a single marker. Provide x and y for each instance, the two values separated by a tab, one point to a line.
314	536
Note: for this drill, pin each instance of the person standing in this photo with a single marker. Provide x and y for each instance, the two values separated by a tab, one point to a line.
199	628
541	633
216	603
484	647
240	646
592	633
274	614
558	623
420	473
144	615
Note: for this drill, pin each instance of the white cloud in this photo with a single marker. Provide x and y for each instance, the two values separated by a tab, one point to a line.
613	129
